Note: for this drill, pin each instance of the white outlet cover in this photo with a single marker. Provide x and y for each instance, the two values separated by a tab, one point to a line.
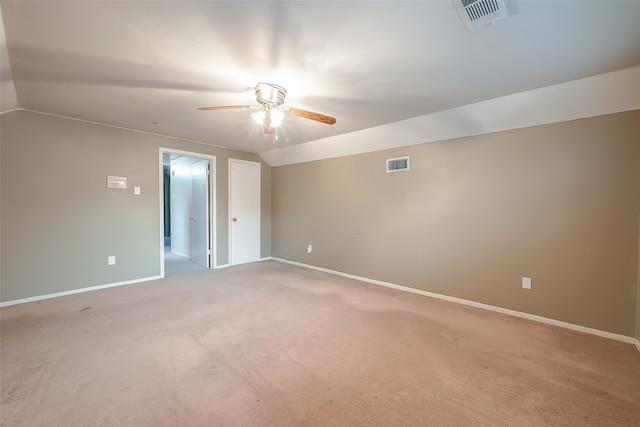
526	283
136	190
112	260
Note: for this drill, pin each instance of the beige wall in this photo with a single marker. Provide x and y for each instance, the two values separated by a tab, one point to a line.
59	221
558	203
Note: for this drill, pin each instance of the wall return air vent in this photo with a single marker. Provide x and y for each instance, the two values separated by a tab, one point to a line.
398	165
478	13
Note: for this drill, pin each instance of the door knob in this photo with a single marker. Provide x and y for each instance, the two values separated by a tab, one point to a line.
234	219
192	218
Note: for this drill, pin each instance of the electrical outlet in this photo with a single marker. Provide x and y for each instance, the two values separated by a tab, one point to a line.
112	260
526	283
309	249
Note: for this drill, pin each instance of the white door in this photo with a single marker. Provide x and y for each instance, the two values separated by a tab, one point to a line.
244	211
199	220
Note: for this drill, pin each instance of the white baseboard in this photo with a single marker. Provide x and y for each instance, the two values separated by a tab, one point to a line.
229	265
180	254
637	344
76	291
514	313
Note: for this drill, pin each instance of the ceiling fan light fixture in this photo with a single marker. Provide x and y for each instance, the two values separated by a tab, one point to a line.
276	117
258	116
270	115
275	114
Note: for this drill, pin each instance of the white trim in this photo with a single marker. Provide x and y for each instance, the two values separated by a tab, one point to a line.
229	204
77	291
11	110
637	344
181	254
212	226
229	265
514	313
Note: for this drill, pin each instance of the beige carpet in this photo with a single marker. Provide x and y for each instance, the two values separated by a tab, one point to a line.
269	344
176	264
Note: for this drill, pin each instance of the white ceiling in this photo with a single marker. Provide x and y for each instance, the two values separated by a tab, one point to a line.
148	65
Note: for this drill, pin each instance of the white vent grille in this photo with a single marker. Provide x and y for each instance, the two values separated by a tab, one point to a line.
478	13
398	165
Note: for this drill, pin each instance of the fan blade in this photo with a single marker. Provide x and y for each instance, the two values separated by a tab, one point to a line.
226	107
310	115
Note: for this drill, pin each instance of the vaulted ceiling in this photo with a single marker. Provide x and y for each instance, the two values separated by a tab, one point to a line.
148	65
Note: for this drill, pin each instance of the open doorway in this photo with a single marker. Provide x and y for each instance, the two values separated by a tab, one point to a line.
187	211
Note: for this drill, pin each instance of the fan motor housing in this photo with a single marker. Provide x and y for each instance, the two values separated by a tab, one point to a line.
269	93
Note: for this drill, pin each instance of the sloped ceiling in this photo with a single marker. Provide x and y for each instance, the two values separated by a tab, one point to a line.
375	66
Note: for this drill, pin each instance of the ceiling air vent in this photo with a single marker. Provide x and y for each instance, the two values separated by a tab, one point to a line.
398	165
478	13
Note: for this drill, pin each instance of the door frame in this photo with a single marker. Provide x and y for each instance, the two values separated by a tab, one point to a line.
213	260
229	214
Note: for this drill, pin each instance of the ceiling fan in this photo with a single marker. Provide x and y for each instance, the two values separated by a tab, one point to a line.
270	97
